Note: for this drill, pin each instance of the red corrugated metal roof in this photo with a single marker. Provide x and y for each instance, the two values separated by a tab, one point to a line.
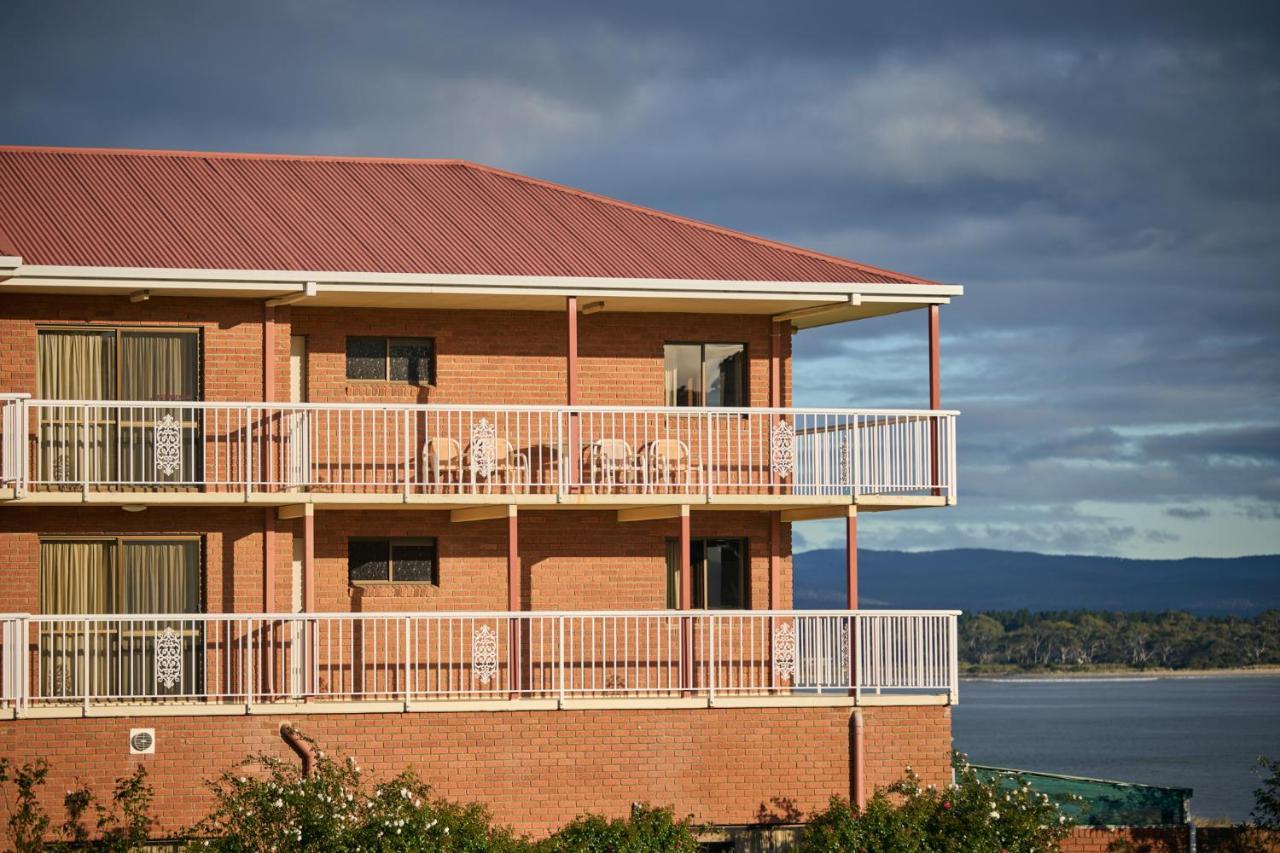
174	209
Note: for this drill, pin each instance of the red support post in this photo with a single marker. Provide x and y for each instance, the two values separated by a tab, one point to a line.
309	560
515	638
571	388
851	558
686	602
935	396
268	517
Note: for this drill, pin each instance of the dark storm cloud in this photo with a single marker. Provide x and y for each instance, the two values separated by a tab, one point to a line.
1100	176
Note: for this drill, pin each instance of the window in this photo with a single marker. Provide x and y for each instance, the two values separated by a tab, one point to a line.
97	363
408	360
392	561
719	573
116	444
705	374
120	575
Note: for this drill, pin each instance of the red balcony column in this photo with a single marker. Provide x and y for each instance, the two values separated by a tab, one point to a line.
268	514
309	559
935	395
851	602
686	600
851	558
775	386
515	638
571	387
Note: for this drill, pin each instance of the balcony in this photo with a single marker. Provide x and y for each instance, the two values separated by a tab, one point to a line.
237	663
357	453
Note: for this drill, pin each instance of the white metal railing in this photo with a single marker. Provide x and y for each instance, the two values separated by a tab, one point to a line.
199	660
429	449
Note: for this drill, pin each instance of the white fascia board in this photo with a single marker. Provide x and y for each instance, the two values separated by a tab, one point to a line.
9	265
285	282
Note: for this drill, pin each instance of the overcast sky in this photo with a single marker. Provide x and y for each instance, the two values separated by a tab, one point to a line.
1104	179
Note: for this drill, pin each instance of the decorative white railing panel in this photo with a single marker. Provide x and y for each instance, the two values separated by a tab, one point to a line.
466	450
259	659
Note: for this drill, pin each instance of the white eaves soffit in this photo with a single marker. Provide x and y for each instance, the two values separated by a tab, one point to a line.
805	304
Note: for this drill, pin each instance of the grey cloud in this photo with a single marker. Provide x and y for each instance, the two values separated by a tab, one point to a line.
1099	175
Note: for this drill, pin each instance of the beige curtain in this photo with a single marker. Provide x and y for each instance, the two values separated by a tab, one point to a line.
161	577
75	365
673	574
75	578
158	366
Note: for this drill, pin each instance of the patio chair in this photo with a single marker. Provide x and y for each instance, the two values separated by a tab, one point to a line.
613	463
669	464
442	461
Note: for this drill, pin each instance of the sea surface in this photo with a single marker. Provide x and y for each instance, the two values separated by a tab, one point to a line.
1202	733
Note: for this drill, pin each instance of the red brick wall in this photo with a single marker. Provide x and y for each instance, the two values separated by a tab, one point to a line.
535	769
231	336
233	537
571	559
1154	840
518	357
515	357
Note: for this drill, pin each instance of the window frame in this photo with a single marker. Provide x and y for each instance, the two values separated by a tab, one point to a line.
117	347
702	364
118	543
392	542
387	341
673	572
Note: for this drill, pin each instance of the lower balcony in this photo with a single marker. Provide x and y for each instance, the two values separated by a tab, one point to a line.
232	663
220	452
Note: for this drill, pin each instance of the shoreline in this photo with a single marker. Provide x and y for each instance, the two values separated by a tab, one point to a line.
1018	675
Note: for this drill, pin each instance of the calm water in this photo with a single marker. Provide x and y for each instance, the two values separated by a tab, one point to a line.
1201	733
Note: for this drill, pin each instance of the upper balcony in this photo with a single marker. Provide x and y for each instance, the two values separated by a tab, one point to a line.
798	460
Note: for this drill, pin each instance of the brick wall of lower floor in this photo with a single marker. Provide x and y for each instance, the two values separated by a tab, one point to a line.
570	559
535	769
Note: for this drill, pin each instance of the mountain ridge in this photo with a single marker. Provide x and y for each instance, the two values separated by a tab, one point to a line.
977	579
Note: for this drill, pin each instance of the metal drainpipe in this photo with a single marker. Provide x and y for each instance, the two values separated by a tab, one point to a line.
859	779
299	746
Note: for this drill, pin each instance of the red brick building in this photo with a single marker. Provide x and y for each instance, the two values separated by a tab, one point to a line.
450	468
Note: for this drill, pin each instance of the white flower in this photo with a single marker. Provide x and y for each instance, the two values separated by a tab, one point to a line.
995	814
279	803
404	793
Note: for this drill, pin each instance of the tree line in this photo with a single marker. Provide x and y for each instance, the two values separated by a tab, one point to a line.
1085	639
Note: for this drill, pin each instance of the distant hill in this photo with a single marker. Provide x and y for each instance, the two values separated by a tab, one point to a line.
976	579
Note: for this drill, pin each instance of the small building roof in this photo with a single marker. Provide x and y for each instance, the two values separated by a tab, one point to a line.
72	207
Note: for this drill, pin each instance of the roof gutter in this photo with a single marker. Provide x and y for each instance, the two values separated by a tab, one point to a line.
9	265
450	283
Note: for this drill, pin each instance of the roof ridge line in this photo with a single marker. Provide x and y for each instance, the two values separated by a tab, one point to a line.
232	155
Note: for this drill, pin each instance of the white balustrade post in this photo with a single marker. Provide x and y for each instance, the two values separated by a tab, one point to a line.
248	666
560	673
408	455
408	663
954	658
84	669
84	453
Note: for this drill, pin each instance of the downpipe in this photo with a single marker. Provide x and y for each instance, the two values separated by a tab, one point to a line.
300	747
859	763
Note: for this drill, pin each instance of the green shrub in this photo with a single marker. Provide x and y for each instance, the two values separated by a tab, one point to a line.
123	826
647	830
969	815
267	804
